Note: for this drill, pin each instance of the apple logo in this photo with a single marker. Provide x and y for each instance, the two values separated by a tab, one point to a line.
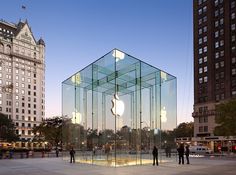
76	118
118	106
163	115
118	55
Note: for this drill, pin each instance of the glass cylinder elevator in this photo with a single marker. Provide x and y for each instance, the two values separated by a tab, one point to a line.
116	109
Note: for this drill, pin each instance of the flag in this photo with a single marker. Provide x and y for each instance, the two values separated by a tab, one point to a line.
23	7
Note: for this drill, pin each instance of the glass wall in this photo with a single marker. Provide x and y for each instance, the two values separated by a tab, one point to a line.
116	109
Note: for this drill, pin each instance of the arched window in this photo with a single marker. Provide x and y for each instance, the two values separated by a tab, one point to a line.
8	49
1	47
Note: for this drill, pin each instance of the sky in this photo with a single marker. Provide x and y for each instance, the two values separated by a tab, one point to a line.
77	32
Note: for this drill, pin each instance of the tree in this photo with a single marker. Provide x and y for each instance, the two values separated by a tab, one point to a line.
184	130
7	129
226	119
49	130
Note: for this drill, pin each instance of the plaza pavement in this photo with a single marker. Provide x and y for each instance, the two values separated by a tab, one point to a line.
56	166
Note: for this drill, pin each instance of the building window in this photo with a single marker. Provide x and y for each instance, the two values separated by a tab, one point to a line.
200	11
200	70
232	4
222	64
200	129
200	21
205	49
205	119
222	96
234	92
234	71
222	53
222	85
204	9
205	59
233	48
222	75
221	10
217	55
221	21
233	38
205	29
216	44
200	61
205	128
216	13
216	65
217	97
221	42
205	39
205	69
232	26
200	119
205	79
200	31
200	41
233	60
221	32
200	80
233	16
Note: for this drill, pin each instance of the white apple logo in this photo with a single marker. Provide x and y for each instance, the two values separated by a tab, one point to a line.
76	118
118	106
163	115
118	55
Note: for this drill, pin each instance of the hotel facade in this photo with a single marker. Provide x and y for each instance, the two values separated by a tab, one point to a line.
22	77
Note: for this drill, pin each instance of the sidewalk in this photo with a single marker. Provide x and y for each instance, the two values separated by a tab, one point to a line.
56	166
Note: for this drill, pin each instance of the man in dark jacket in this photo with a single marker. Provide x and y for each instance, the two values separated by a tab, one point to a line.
187	153
72	155
155	155
181	153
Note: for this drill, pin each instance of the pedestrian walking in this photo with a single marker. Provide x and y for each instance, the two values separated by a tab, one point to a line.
57	152
72	155
155	155
181	153
187	153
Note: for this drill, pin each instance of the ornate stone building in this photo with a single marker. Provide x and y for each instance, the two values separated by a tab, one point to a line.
22	77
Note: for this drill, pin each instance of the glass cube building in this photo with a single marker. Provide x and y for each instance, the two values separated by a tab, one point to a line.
116	109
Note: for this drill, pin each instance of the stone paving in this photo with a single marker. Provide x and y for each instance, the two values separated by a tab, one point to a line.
56	166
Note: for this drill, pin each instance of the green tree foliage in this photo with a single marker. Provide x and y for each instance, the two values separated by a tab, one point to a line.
226	119
184	130
49	130
7	129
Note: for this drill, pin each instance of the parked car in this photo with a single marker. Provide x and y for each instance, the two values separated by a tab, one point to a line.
200	150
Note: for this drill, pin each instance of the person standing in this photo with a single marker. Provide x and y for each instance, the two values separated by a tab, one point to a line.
155	155
181	153
72	155
57	152
187	153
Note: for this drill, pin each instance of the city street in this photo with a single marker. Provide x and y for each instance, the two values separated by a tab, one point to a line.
56	166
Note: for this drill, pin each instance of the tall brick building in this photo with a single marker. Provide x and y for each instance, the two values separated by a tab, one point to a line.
214	61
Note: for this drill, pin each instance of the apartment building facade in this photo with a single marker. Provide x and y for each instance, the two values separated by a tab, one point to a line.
214	66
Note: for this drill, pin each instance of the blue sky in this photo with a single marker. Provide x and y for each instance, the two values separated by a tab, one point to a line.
77	32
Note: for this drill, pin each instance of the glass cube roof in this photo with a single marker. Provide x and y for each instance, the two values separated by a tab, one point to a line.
120	69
